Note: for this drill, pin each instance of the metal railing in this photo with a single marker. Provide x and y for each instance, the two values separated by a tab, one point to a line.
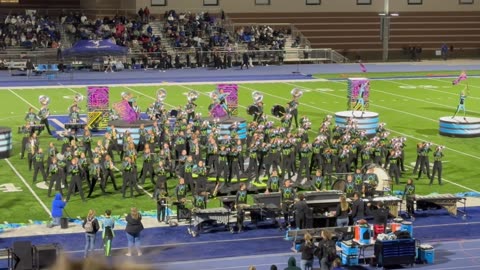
185	58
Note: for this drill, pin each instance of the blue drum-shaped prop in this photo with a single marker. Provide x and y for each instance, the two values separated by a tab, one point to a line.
462	127
5	142
366	121
225	128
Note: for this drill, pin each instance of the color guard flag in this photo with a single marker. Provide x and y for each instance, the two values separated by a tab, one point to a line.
363	67
463	76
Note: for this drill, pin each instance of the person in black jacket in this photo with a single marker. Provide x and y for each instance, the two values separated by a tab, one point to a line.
307	249
301	212
358	208
324	251
91	226
380	217
133	229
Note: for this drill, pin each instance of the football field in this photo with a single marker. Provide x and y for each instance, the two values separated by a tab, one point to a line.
411	108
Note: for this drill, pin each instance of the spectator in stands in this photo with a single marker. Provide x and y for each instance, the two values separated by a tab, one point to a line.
251	267
322	251
91	226
29	67
444	51
292	264
358	208
273	267
307	249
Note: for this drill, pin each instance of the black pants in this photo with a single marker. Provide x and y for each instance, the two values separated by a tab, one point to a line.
394	172
303	166
96	179
147	169
38	166
47	126
222	169
424	167
75	183
109	174
161	212
410	209
55	179
253	169
437	169
129	180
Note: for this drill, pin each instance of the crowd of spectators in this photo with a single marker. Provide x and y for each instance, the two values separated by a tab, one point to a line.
190	30
134	33
263	37
28	31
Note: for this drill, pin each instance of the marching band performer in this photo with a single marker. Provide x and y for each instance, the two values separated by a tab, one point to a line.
76	181
161	172
190	107
96	176
38	165
288	198
240	203
32	147
55	177
393	169
409	195
107	171
437	164
44	112
129	177
461	103
304	159
293	104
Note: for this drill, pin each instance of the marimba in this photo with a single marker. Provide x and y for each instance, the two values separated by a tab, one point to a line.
31	129
261	212
393	203
201	216
447	201
75	126
270	199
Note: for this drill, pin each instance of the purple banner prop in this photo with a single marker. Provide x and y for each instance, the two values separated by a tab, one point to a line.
232	98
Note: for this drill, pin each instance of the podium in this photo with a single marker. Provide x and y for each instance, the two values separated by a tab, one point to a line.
461	127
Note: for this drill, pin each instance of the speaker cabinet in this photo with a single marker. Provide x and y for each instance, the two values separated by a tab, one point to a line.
22	255
45	255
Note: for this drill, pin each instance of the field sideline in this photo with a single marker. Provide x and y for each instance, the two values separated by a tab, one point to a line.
410	107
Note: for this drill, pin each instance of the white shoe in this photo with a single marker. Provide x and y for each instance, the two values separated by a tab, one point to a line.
128	254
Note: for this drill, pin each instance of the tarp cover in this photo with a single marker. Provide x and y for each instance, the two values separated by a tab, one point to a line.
95	48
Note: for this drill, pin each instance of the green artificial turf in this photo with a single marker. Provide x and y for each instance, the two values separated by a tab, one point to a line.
410	107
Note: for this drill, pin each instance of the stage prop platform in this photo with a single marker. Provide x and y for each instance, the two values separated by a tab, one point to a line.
134	128
5	142
468	127
367	121
225	123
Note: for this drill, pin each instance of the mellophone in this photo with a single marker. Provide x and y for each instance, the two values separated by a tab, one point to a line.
447	201
219	214
30	128
75	126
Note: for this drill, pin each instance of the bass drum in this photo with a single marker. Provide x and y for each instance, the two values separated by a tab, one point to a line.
384	181
278	111
253	110
339	185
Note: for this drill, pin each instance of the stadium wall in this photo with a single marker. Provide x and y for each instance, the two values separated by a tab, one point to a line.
239	6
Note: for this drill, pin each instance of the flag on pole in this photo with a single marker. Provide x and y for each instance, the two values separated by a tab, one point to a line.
463	76
363	67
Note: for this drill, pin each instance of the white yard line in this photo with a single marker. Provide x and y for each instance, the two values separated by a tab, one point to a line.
29	187
24	100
